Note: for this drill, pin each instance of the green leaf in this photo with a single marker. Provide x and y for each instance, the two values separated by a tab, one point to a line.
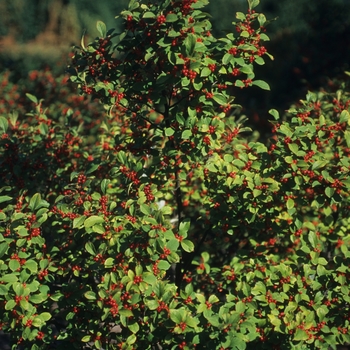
246	69
241	16
9	278
145	209
284	129
45	316
134	327
319	164
173	245
171	17
344	250
24	304
190	44
86	338
310	317
290	203
131	340
261	19
322	261
37	299
90	295
198	86
239	343
227	58
31	265
191	113
177	316
5	198
36	202
163	265
22	231
109	262
152	304
57	296
239	83
3	290
104	185
300	334
344	116
293	147
10	305
21	242
205	72
43	128
38	322
138	270
169	132
149	278
14	265
184	227
3	124
79	221
101	28
192	322
329	191
185	82
261	84
92	220
321	271
220	99
90	248
92	167
173	34
32	98
187	246
3	248
228	158
186	134
347	137
125	312
240	307
18	288
43	263
256	193
312	239
274	320
259	288
148	14
321	312
98	229
205	256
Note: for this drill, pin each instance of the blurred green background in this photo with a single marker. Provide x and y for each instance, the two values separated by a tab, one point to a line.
310	39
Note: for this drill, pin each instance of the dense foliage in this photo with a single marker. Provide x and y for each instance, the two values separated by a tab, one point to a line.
164	223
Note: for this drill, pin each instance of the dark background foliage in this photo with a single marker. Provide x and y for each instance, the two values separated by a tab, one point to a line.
310	41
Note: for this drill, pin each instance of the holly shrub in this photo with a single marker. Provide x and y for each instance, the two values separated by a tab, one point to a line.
162	222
